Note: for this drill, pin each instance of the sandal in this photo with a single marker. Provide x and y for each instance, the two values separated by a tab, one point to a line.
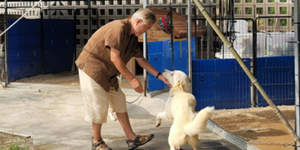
100	145
138	141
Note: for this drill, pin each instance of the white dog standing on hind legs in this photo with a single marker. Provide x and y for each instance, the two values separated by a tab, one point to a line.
180	107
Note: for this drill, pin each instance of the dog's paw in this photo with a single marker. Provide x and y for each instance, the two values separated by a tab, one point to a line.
157	125
158	121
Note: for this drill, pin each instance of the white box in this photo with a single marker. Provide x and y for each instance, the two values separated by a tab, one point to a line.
278	44
243	45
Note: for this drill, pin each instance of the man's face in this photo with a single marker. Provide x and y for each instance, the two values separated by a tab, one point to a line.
141	28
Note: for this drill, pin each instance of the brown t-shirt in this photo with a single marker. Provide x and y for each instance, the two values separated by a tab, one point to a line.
95	56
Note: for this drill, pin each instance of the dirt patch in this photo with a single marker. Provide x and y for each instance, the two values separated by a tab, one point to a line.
259	126
14	142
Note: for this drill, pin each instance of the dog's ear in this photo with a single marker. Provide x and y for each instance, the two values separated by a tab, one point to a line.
190	79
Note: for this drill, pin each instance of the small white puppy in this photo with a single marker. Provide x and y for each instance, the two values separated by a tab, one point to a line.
180	107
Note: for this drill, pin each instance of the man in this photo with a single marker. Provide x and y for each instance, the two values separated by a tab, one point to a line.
103	58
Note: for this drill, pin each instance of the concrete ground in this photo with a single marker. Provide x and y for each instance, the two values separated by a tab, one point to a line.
53	116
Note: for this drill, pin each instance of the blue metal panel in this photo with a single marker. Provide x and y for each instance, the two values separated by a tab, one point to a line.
180	57
24	45
153	83
155	47
22	69
276	76
58	45
221	83
167	55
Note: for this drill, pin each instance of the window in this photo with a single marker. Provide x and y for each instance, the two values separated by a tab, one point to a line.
94	22
283	10
70	12
85	32
77	12
102	11
77	31
271	10
271	22
283	22
102	22
260	11
119	12
110	12
248	1
78	41
85	41
77	22
237	10
85	22
128	11
259	1
94	12
248	10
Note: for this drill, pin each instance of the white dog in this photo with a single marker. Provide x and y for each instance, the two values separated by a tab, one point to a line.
180	107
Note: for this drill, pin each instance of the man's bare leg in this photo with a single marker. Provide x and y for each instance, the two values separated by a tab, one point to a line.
124	122
97	132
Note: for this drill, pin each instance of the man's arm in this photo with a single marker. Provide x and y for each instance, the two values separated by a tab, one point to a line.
120	65
146	65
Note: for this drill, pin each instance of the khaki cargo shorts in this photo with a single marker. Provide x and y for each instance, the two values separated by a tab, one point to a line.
98	101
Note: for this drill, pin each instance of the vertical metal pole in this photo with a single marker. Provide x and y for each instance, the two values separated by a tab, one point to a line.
172	42
6	44
189	38
196	37
254	64
209	34
145	51
296	59
42	42
75	47
90	22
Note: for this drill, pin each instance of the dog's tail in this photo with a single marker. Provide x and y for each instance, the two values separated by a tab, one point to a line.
200	121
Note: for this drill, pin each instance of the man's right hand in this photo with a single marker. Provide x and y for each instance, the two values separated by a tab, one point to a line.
136	85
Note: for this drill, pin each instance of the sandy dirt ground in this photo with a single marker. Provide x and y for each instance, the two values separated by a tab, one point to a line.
259	126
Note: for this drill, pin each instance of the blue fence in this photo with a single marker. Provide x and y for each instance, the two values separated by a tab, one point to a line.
25	51
160	56
277	77
222	82
58	45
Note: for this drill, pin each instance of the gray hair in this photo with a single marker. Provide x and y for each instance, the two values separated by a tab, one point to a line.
145	15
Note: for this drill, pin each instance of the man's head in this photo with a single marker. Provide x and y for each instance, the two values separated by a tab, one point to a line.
142	20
